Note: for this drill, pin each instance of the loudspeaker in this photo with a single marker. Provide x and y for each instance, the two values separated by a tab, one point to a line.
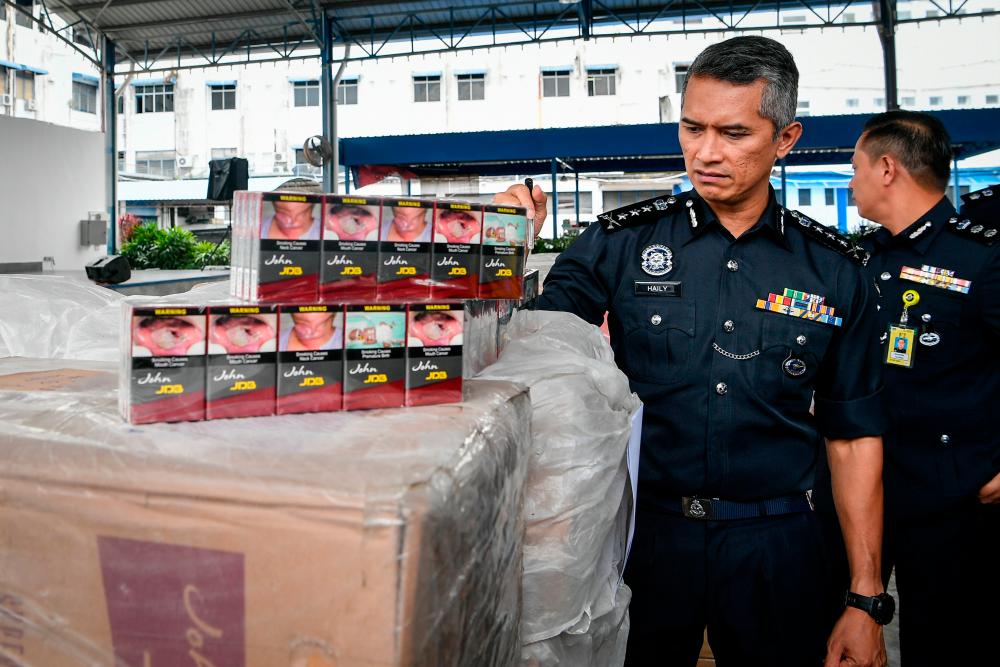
226	177
111	269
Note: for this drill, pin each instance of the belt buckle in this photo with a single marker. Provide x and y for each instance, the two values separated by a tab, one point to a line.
696	508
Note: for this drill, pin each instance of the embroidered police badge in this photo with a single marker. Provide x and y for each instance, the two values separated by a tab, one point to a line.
657	260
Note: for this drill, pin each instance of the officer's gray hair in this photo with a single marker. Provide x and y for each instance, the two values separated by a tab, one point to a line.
744	60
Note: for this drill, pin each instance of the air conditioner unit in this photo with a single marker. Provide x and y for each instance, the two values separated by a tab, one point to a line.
183	161
30	105
6	100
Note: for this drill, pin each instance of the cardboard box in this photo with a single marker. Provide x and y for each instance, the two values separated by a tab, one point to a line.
301	541
505	230
162	376
434	341
458	234
350	248
242	358
404	271
310	359
375	356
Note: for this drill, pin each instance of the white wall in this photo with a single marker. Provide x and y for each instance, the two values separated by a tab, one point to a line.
50	178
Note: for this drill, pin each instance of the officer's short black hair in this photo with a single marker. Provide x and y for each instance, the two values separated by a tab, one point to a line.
916	140
744	60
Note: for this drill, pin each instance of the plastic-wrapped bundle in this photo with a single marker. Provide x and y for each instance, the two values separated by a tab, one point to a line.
577	504
387	538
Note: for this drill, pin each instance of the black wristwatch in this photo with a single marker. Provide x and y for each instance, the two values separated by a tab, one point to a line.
880	607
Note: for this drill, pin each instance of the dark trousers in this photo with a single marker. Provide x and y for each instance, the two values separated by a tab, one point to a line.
756	584
947	565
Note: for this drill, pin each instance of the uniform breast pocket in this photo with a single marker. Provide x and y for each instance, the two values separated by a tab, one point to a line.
938	320
659	342
791	351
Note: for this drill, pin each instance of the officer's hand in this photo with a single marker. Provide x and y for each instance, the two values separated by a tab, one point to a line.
518	195
990	494
856	641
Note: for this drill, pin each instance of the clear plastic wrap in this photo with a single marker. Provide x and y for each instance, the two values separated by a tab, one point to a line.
366	539
577	505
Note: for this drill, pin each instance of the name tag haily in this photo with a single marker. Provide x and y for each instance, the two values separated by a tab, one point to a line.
663	288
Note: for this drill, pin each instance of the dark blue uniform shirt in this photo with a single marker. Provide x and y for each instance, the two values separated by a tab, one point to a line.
944	444
727	386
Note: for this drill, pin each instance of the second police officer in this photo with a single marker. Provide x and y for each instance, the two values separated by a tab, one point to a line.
727	312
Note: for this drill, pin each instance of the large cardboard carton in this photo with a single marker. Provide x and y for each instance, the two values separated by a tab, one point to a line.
319	540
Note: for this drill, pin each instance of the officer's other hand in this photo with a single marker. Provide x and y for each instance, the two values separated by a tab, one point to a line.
856	641
990	494
518	195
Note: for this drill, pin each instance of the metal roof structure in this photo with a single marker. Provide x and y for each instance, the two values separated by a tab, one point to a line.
158	35
628	148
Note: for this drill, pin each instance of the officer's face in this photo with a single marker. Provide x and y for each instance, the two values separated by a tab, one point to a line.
866	182
729	149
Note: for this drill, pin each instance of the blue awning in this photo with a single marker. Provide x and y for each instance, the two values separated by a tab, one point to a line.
558	68
86	78
591	68
470	71
23	68
147	82
304	79
213	84
429	73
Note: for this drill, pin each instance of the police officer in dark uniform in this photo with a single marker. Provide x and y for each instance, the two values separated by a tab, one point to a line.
727	312
938	279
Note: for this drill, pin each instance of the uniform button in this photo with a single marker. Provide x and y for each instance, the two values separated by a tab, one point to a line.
655	319
945	439
885	276
728	326
733	265
926	317
800	339
721	389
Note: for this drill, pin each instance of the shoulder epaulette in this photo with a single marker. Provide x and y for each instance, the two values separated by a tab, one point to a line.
981	198
973	229
640	213
830	238
869	230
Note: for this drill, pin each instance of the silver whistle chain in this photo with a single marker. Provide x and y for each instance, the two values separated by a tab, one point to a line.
737	357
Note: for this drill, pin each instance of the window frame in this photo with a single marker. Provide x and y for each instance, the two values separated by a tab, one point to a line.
426	88
602	79
84	97
804	196
468	84
23	81
145	159
307	92
154	95
559	79
19	16
221	96
830	196
347	92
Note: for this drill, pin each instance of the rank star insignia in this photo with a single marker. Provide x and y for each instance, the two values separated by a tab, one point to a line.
634	212
657	259
647	209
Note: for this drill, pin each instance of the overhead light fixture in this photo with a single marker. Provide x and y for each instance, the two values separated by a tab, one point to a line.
568	2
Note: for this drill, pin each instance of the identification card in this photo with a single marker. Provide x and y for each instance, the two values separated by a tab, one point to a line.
900	350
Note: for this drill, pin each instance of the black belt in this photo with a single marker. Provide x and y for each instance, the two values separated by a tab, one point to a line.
715	509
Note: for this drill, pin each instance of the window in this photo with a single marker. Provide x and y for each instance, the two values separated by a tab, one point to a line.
121	160
306	93
993	99
223	97
23	18
24	85
963	99
121	103
3	80
793	18
680	74
84	97
935	100
471	86
158	98
909	101
803	108
830	196
157	163
805	197
427	88
601	82
933	13
223	153
555	83
853	102
347	91
879	101
302	166
903	15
